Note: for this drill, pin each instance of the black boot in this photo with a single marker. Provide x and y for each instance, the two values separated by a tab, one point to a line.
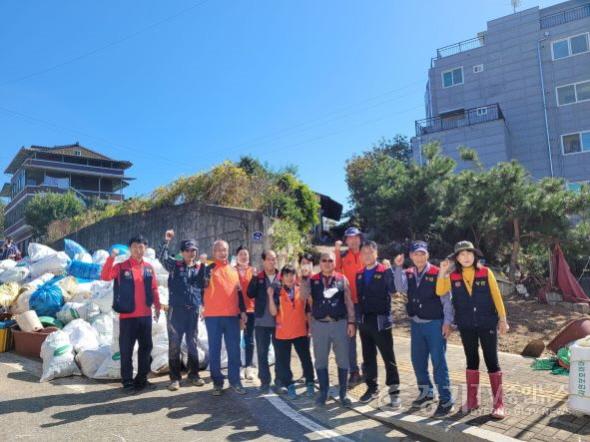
343	381
324	381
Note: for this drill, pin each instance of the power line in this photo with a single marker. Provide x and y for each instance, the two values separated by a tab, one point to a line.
105	46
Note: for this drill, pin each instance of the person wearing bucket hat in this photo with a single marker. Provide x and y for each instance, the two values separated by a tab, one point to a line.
185	284
350	264
431	320
480	315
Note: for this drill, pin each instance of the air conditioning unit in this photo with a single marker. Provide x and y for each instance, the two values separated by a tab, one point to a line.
478	68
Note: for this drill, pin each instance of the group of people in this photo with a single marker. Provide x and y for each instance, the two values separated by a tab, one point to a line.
296	308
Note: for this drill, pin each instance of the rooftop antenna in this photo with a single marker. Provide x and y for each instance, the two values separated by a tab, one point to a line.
515	4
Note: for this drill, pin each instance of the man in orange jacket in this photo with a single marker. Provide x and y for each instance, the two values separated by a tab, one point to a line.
350	263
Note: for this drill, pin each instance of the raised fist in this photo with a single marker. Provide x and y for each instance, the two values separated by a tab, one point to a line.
338	244
169	235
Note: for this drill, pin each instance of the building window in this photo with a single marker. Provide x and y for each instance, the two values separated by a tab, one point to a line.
77	153
578	44
575	143
478	68
452	77
573	93
481	111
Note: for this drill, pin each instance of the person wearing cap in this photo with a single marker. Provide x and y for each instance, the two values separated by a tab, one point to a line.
225	314
135	291
376	285
480	315
246	272
350	263
431	320
185	283
264	325
333	324
290	309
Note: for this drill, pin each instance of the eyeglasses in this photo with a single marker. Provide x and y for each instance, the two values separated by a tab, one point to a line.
327	260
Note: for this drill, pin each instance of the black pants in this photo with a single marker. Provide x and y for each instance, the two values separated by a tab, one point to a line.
132	330
283	350
264	336
488	338
372	340
183	321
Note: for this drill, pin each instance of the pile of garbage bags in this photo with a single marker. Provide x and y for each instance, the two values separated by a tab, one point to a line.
65	286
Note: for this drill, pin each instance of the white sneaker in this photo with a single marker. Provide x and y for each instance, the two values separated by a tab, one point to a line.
248	373
242	374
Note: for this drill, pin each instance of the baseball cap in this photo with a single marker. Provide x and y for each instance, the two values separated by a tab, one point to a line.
419	246
188	244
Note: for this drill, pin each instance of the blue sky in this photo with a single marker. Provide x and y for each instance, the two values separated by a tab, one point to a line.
179	86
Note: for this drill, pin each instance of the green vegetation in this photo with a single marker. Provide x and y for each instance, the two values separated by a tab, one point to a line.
245	184
511	217
45	208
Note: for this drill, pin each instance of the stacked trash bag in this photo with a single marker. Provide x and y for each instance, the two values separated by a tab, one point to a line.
65	291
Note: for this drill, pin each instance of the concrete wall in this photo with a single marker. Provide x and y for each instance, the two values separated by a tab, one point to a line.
511	78
205	223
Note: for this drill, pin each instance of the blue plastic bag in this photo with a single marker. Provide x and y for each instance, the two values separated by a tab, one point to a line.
85	270
46	300
72	248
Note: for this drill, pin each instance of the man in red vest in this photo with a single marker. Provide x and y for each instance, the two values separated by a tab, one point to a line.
135	291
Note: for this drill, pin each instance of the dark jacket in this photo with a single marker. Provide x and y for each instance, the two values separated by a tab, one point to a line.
185	283
257	290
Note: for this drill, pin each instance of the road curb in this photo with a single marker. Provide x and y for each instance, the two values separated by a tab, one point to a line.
436	429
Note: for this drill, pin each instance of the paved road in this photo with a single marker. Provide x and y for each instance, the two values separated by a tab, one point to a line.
79	409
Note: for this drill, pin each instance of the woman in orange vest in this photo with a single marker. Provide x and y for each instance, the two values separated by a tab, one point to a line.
290	310
246	272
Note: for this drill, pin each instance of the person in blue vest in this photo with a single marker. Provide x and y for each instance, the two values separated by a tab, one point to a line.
333	324
431	324
185	283
376	285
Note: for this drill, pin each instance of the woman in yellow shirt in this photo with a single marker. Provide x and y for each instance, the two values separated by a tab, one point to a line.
479	315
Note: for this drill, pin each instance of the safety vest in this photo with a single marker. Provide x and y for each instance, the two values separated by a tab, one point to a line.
291	316
374	298
124	287
185	284
335	306
477	309
422	299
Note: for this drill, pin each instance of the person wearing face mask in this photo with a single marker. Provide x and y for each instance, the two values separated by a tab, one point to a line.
185	282
135	290
306	263
333	324
289	307
246	272
480	315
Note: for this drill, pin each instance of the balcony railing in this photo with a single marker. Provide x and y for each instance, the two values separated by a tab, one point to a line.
82	193
566	16
462	46
468	117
